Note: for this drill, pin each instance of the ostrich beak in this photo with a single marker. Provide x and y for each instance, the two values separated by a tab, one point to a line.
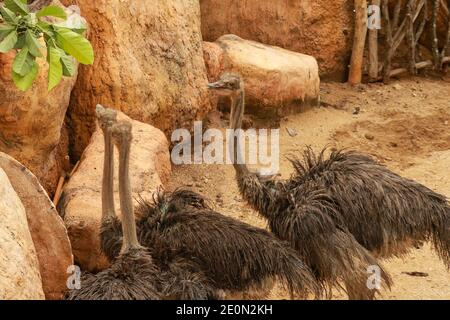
216	85
99	109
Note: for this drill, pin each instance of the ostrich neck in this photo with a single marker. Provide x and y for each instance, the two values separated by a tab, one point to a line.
250	186
126	201
237	109
108	209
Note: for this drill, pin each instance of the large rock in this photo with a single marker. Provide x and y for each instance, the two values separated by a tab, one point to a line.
46	227
19	267
81	203
320	28
277	81
31	122
148	64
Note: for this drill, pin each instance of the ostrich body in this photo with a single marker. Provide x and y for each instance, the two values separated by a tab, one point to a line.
341	212
190	242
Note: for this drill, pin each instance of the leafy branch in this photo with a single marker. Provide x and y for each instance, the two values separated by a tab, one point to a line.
21	30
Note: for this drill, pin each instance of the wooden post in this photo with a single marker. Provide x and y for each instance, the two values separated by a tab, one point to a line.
389	41
435	47
447	39
396	18
410	36
359	41
59	189
373	49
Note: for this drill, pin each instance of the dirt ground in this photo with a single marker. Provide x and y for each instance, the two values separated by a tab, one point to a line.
405	125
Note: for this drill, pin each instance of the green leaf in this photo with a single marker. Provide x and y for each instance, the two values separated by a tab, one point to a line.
20	42
5	29
33	44
44	25
9	42
75	45
55	71
68	65
20	64
25	82
17	6
52	11
8	15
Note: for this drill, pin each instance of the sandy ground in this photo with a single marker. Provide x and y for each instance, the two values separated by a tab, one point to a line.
405	125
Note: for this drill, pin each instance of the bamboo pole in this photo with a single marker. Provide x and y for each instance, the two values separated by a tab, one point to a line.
396	17
435	46
59	189
355	75
373	49
447	39
389	41
410	36
423	4
418	66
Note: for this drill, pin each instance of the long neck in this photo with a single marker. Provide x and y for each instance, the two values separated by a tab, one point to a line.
252	189
108	208
126	201
237	109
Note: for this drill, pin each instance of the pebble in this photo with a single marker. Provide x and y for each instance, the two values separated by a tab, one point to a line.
369	136
356	110
292	132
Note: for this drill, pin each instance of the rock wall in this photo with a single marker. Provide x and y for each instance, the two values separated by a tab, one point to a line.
320	28
148	64
19	267
31	122
47	229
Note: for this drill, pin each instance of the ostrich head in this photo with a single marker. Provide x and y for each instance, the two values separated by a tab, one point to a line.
229	84
106	117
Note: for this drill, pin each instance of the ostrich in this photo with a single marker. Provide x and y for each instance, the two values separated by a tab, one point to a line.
188	239
132	275
134	265
342	212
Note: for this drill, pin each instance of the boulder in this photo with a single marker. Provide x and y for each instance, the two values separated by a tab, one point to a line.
19	267
31	122
47	229
81	201
277	81
148	64
321	28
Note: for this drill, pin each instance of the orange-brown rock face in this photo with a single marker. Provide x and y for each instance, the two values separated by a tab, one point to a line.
322	29
277	81
149	64
47	229
19	268
81	205
31	122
